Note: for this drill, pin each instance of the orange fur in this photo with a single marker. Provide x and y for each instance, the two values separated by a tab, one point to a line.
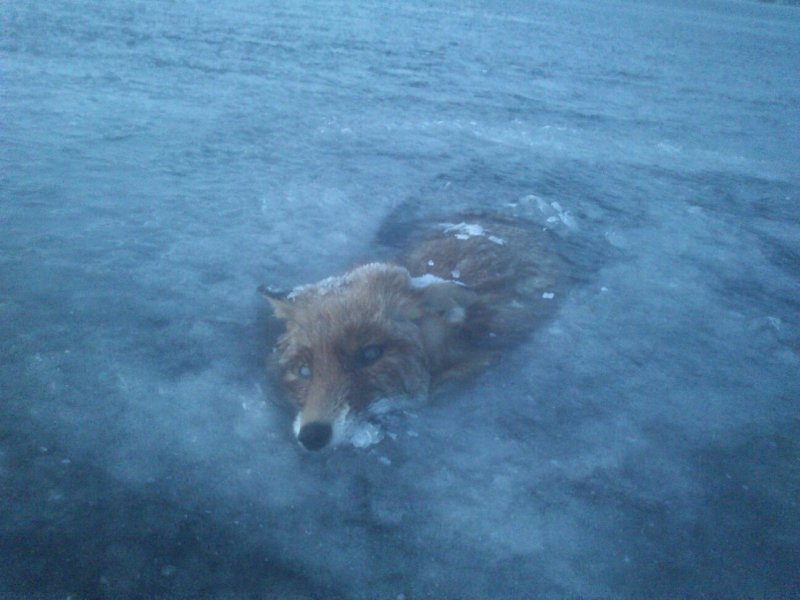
382	330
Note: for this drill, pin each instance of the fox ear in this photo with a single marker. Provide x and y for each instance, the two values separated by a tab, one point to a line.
281	307
447	300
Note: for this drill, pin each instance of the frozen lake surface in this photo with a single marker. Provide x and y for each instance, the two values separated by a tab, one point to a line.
161	160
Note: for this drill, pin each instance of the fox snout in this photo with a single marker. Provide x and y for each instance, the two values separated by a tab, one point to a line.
322	416
316	430
315	435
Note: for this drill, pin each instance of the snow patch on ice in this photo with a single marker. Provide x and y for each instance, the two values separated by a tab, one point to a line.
464	231
425	280
428	279
553	213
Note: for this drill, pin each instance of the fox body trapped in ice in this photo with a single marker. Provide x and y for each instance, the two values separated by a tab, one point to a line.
384	332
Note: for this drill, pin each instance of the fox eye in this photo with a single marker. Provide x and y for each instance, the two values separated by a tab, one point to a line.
369	354
304	372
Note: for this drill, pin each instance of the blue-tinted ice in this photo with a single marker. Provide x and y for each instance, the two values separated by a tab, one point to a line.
161	160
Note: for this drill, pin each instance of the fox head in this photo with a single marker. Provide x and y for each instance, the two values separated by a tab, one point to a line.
371	334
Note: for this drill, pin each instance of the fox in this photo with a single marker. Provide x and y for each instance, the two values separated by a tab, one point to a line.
459	292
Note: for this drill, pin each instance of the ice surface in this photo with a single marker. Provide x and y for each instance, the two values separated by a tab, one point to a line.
161	160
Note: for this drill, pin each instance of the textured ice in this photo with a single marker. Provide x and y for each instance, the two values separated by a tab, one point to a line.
161	160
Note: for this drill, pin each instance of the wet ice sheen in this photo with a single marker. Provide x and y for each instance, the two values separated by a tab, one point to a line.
161	160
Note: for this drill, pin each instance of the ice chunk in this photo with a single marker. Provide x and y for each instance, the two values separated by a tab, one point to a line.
363	434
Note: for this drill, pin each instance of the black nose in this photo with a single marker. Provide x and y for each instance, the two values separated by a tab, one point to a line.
315	435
